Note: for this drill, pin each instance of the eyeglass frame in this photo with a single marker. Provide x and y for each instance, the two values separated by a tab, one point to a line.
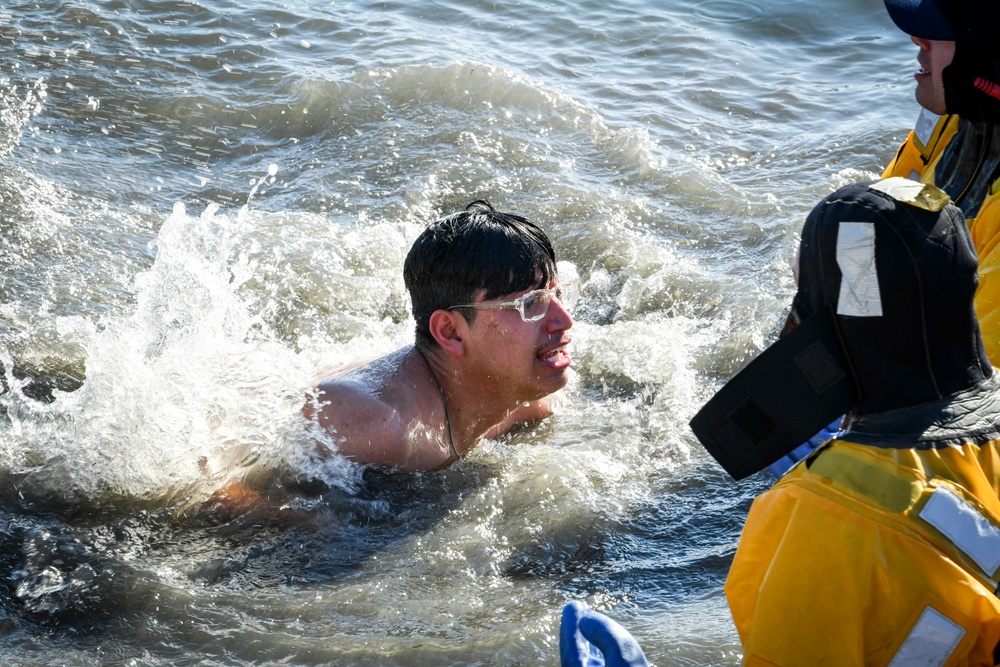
518	303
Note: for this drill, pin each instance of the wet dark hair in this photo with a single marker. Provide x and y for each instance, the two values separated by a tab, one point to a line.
477	249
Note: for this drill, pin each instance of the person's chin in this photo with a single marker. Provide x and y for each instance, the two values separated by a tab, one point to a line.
550	381
557	379
926	98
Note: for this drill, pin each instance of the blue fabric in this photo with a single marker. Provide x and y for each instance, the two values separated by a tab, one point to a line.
590	639
785	463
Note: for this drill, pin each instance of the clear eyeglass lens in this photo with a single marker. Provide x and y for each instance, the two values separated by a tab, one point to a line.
568	293
534	305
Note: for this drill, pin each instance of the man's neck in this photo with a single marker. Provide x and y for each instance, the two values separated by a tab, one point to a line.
472	412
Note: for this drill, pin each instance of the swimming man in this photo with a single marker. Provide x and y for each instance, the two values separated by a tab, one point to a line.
490	352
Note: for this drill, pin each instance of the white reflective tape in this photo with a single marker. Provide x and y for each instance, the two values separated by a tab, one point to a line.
931	641
859	293
914	193
900	189
966	527
926	122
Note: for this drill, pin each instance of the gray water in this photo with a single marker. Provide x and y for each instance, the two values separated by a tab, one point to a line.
201	205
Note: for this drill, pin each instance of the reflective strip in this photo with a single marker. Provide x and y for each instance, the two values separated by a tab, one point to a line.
926	122
921	195
966	527
859	294
931	641
900	189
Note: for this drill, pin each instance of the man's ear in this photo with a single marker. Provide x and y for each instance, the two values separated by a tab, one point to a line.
449	329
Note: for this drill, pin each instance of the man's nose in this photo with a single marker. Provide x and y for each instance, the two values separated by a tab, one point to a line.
558	318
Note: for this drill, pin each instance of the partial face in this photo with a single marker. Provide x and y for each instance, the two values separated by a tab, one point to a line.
521	360
933	57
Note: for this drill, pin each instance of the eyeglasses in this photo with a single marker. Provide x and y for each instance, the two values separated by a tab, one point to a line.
533	305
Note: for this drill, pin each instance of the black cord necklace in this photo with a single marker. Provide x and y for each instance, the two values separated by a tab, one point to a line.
444	401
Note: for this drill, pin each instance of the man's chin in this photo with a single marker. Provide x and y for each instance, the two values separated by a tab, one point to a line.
559	380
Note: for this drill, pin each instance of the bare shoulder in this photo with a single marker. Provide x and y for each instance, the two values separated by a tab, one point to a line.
349	404
360	410
357	387
358	420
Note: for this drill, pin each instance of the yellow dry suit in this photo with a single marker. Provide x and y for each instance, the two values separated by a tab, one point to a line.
963	159
920	158
883	546
882	553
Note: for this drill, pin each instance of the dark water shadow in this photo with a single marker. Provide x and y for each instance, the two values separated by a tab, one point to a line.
324	534
79	570
680	544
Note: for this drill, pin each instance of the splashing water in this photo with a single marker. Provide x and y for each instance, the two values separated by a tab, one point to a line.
17	106
184	391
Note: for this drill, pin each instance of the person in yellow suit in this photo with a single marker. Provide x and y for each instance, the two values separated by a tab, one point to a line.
883	546
954	144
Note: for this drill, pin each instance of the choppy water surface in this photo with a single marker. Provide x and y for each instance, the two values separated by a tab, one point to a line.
202	204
